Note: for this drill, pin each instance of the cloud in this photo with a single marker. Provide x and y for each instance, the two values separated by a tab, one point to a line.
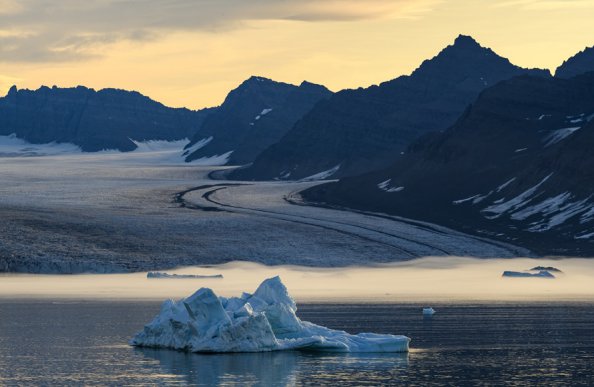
547	5
46	30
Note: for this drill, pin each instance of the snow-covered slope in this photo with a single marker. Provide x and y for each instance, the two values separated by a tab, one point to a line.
518	166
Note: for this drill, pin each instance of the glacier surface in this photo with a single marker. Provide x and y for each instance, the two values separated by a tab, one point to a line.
259	322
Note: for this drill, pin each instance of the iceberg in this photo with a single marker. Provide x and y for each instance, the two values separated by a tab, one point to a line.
546	268
259	322
428	311
522	274
157	274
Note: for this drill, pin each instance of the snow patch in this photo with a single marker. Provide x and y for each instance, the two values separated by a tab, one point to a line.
559	135
214	160
504	185
385	186
565	212
546	207
519	201
158	151
262	113
462	201
322	175
264	321
584	236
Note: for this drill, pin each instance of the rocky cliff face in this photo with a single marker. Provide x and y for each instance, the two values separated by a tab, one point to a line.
517	166
360	130
254	116
94	120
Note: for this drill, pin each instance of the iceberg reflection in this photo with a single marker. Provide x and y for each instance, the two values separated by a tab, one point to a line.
282	368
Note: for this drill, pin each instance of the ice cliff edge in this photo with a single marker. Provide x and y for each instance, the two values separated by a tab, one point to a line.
263	321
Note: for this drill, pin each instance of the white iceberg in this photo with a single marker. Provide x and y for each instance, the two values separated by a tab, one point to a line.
259	322
428	311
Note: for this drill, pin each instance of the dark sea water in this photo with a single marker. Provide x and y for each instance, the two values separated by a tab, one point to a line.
85	343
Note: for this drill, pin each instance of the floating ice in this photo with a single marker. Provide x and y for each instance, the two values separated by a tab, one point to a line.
523	274
264	321
428	311
546	268
157	274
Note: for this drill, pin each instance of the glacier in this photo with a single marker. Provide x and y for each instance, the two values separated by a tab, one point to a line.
259	322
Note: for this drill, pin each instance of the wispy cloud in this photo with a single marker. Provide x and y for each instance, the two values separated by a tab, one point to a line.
46	30
551	5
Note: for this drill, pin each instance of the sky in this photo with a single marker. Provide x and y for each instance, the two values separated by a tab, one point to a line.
191	53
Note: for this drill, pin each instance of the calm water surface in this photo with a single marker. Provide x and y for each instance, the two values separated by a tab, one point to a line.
85	343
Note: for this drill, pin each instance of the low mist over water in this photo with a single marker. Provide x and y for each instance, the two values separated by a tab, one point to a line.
430	279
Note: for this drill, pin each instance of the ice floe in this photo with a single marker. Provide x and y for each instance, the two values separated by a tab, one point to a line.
259	322
523	274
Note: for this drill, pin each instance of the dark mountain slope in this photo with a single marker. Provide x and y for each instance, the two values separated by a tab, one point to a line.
94	120
254	116
580	63
365	129
518	165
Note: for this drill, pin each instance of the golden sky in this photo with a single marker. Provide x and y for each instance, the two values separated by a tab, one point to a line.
192	52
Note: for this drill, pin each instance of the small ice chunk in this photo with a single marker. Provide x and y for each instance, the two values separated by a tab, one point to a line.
428	311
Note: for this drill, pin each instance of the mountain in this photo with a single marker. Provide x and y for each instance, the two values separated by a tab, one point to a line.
253	117
518	166
94	120
580	63
360	130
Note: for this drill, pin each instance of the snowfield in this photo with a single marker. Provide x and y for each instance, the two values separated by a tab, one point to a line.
110	212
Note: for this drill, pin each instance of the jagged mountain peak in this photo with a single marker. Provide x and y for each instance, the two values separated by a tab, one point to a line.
580	63
466	40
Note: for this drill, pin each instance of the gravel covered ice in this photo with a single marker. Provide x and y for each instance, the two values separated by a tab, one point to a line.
259	322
